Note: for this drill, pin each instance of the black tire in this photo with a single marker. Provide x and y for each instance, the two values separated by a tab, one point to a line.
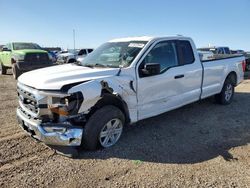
3	69
96	123
223	97
71	61
16	71
248	66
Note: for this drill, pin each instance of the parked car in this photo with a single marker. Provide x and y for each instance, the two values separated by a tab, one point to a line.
52	56
121	82
73	56
238	52
83	53
22	57
216	50
247	56
205	55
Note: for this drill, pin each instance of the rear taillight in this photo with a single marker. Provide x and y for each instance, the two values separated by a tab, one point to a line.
243	66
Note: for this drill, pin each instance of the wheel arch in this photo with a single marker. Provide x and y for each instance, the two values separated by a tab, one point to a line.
233	76
108	98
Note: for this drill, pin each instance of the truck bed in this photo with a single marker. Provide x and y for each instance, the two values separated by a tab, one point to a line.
215	71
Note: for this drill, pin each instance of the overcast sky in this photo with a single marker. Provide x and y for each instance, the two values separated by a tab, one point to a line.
51	23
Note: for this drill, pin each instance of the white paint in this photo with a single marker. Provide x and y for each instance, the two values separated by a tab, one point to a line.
153	95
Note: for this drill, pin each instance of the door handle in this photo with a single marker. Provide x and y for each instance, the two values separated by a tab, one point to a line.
179	76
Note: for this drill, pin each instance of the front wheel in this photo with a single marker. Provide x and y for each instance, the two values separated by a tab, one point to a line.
226	95
3	69
104	128
71	61
16	71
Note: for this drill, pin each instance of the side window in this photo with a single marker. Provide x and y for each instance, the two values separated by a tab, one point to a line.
163	53
82	52
186	53
90	50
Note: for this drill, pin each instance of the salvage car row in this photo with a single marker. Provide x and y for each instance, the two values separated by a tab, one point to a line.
23	57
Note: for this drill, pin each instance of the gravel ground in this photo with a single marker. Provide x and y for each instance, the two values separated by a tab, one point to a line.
199	145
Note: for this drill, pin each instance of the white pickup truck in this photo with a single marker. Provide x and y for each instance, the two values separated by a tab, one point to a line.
121	82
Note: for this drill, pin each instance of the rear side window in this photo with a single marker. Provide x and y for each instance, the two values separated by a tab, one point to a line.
186	53
90	50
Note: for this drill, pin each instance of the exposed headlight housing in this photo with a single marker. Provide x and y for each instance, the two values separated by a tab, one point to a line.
64	106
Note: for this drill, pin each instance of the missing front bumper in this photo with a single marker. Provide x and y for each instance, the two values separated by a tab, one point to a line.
51	134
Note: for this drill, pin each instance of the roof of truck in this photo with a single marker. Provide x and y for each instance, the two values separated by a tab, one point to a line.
127	39
145	38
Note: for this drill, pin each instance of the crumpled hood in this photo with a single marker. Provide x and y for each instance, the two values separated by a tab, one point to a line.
53	78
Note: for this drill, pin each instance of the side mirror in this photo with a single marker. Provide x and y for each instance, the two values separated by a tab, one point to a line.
151	69
4	49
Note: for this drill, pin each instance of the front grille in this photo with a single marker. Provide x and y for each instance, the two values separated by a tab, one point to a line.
35	58
28	100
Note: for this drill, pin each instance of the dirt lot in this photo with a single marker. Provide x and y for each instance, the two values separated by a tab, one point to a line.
199	145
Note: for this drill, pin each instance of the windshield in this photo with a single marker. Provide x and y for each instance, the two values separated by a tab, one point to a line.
114	54
24	46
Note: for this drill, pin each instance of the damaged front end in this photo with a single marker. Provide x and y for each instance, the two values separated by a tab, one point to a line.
51	117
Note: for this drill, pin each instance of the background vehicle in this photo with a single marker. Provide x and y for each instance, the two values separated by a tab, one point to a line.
206	55
247	55
52	56
121	82
73	55
238	52
22	57
216	50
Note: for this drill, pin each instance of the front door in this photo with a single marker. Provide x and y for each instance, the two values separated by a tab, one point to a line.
177	84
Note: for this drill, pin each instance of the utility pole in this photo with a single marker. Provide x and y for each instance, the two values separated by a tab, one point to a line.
74	40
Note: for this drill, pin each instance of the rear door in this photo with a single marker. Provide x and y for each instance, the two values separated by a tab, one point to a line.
178	82
192	71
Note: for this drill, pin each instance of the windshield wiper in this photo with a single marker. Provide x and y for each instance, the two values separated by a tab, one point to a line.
94	65
99	65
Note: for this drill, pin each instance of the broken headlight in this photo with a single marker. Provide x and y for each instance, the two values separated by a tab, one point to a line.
64	106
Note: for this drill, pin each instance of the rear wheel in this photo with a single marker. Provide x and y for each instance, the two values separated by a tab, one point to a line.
3	69
16	71
103	128
225	97
71	61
